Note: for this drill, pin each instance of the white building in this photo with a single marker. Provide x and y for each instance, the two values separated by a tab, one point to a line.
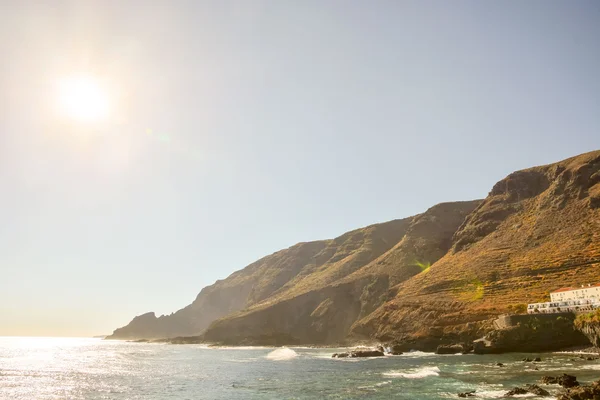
568	299
569	293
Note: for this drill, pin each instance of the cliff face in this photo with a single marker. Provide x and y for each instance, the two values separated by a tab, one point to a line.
322	308
538	230
436	277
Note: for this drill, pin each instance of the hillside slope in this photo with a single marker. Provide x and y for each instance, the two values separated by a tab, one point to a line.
538	230
322	307
300	267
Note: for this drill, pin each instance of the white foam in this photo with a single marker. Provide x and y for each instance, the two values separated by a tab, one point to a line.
417	353
497	394
281	354
417	374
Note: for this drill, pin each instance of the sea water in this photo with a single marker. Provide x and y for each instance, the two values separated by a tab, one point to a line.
66	368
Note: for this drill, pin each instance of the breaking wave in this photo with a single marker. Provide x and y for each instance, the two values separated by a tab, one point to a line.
281	354
417	374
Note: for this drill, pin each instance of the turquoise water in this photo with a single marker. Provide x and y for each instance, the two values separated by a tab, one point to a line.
61	368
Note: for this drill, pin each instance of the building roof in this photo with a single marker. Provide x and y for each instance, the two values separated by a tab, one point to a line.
566	289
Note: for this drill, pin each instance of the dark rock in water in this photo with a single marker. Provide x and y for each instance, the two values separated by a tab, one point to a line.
527	359
366	353
537	359
535	389
515	391
566	381
340	355
587	392
499	365
359	354
396	350
467	394
549	380
449	349
467	348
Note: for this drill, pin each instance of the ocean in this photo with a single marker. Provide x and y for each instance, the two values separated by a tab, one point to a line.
68	368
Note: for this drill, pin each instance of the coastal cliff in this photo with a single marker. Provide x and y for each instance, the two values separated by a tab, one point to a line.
438	277
537	230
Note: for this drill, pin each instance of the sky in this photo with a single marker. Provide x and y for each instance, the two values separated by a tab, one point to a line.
238	128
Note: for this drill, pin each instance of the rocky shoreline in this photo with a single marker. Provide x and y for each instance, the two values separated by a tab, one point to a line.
513	334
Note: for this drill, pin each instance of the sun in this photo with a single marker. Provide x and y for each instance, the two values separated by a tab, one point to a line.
83	99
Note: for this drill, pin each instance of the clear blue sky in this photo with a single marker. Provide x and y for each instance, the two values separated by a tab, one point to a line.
242	127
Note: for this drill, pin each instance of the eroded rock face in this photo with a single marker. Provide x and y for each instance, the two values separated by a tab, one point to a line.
325	314
591	329
537	333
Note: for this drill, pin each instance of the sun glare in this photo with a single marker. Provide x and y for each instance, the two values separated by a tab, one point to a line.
83	99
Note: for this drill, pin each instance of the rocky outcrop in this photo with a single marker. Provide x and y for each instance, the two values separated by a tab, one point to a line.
534	333
453	349
533	389
148	326
587	392
359	354
589	325
566	381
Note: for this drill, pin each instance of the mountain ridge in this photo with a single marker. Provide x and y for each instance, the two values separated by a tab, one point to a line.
436	276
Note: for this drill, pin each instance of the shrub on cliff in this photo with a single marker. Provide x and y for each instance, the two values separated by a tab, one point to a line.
593	317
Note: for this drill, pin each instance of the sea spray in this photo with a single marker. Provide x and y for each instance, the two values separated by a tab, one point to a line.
282	354
417	374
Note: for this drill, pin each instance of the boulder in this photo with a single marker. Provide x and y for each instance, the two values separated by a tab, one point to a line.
366	353
535	389
340	355
566	381
396	349
450	349
359	354
515	391
467	394
587	392
537	359
499	365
